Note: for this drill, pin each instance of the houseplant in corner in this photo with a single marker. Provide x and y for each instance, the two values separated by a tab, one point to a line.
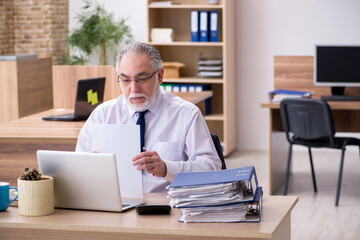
35	193
97	31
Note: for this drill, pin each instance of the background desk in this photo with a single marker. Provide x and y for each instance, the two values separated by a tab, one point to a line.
297	73
69	224
346	119
21	138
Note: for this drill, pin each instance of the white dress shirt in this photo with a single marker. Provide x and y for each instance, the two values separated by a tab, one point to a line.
174	128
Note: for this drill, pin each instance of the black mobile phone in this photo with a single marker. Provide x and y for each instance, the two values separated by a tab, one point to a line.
153	209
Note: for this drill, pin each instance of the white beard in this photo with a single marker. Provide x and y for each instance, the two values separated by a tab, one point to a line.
149	100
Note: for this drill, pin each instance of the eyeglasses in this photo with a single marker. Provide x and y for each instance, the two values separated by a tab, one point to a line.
143	80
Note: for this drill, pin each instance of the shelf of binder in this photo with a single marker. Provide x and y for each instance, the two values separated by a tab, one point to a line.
210	68
231	195
204	26
280	94
188	44
162	35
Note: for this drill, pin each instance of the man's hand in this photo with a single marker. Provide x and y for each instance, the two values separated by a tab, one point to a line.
151	162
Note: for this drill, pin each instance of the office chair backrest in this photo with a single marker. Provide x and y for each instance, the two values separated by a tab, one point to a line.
218	147
307	119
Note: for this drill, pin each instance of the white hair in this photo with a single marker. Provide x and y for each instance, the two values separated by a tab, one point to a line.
140	47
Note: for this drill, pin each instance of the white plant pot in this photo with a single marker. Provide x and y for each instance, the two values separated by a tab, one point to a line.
36	198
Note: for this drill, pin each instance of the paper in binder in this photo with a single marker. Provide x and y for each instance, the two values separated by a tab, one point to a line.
162	35
194	21
176	88
204	25
279	94
210	67
213	188
183	88
214	24
241	212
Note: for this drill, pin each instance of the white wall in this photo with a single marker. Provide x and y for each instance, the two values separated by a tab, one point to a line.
281	27
264	28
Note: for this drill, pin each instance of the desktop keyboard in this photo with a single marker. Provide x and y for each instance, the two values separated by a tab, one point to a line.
340	98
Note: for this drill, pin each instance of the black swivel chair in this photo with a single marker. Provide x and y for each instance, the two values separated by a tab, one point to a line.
309	123
217	144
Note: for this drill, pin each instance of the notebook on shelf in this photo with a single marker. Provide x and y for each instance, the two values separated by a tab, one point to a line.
89	94
83	180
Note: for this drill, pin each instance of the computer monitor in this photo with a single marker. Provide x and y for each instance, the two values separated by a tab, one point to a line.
337	67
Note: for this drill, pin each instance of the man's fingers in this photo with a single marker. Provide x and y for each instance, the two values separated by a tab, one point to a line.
151	162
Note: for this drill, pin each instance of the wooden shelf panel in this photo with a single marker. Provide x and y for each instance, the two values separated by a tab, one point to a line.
188	6
194	80
214	117
194	97
187	43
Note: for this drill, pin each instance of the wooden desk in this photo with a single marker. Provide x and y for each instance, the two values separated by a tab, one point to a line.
70	224
21	138
346	119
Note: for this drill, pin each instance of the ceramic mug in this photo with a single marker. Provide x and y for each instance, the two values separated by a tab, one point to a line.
4	195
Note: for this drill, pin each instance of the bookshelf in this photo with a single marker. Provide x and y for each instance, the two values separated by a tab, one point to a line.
222	120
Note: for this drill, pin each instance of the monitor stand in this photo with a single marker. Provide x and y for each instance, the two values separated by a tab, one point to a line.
337	91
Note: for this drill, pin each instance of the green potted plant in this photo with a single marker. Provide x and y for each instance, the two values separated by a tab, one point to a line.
98	31
35	193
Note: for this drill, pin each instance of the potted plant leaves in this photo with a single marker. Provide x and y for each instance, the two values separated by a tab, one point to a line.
35	193
99	32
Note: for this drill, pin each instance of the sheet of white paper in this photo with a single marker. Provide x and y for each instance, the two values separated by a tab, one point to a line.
124	142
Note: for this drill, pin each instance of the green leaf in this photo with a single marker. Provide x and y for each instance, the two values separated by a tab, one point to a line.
98	29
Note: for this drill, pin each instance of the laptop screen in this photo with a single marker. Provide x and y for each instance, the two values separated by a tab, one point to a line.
89	94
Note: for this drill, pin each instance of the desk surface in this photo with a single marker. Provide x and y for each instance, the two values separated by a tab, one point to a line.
35	130
68	224
334	105
32	129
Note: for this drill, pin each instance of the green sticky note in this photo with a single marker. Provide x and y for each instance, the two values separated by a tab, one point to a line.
92	97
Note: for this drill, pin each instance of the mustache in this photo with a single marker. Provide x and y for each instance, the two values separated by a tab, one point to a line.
135	95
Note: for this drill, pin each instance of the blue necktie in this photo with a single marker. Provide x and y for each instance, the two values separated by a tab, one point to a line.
141	122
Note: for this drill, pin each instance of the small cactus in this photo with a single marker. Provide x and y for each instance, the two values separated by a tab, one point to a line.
30	175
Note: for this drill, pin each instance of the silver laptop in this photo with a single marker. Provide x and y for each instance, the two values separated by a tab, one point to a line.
84	180
89	94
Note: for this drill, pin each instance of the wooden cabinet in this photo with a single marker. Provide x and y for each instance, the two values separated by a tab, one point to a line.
222	119
26	87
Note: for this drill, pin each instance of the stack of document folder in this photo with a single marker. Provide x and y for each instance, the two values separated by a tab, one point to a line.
248	211
229	195
280	94
162	35
211	68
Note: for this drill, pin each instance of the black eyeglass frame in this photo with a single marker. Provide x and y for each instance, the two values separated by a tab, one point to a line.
139	80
